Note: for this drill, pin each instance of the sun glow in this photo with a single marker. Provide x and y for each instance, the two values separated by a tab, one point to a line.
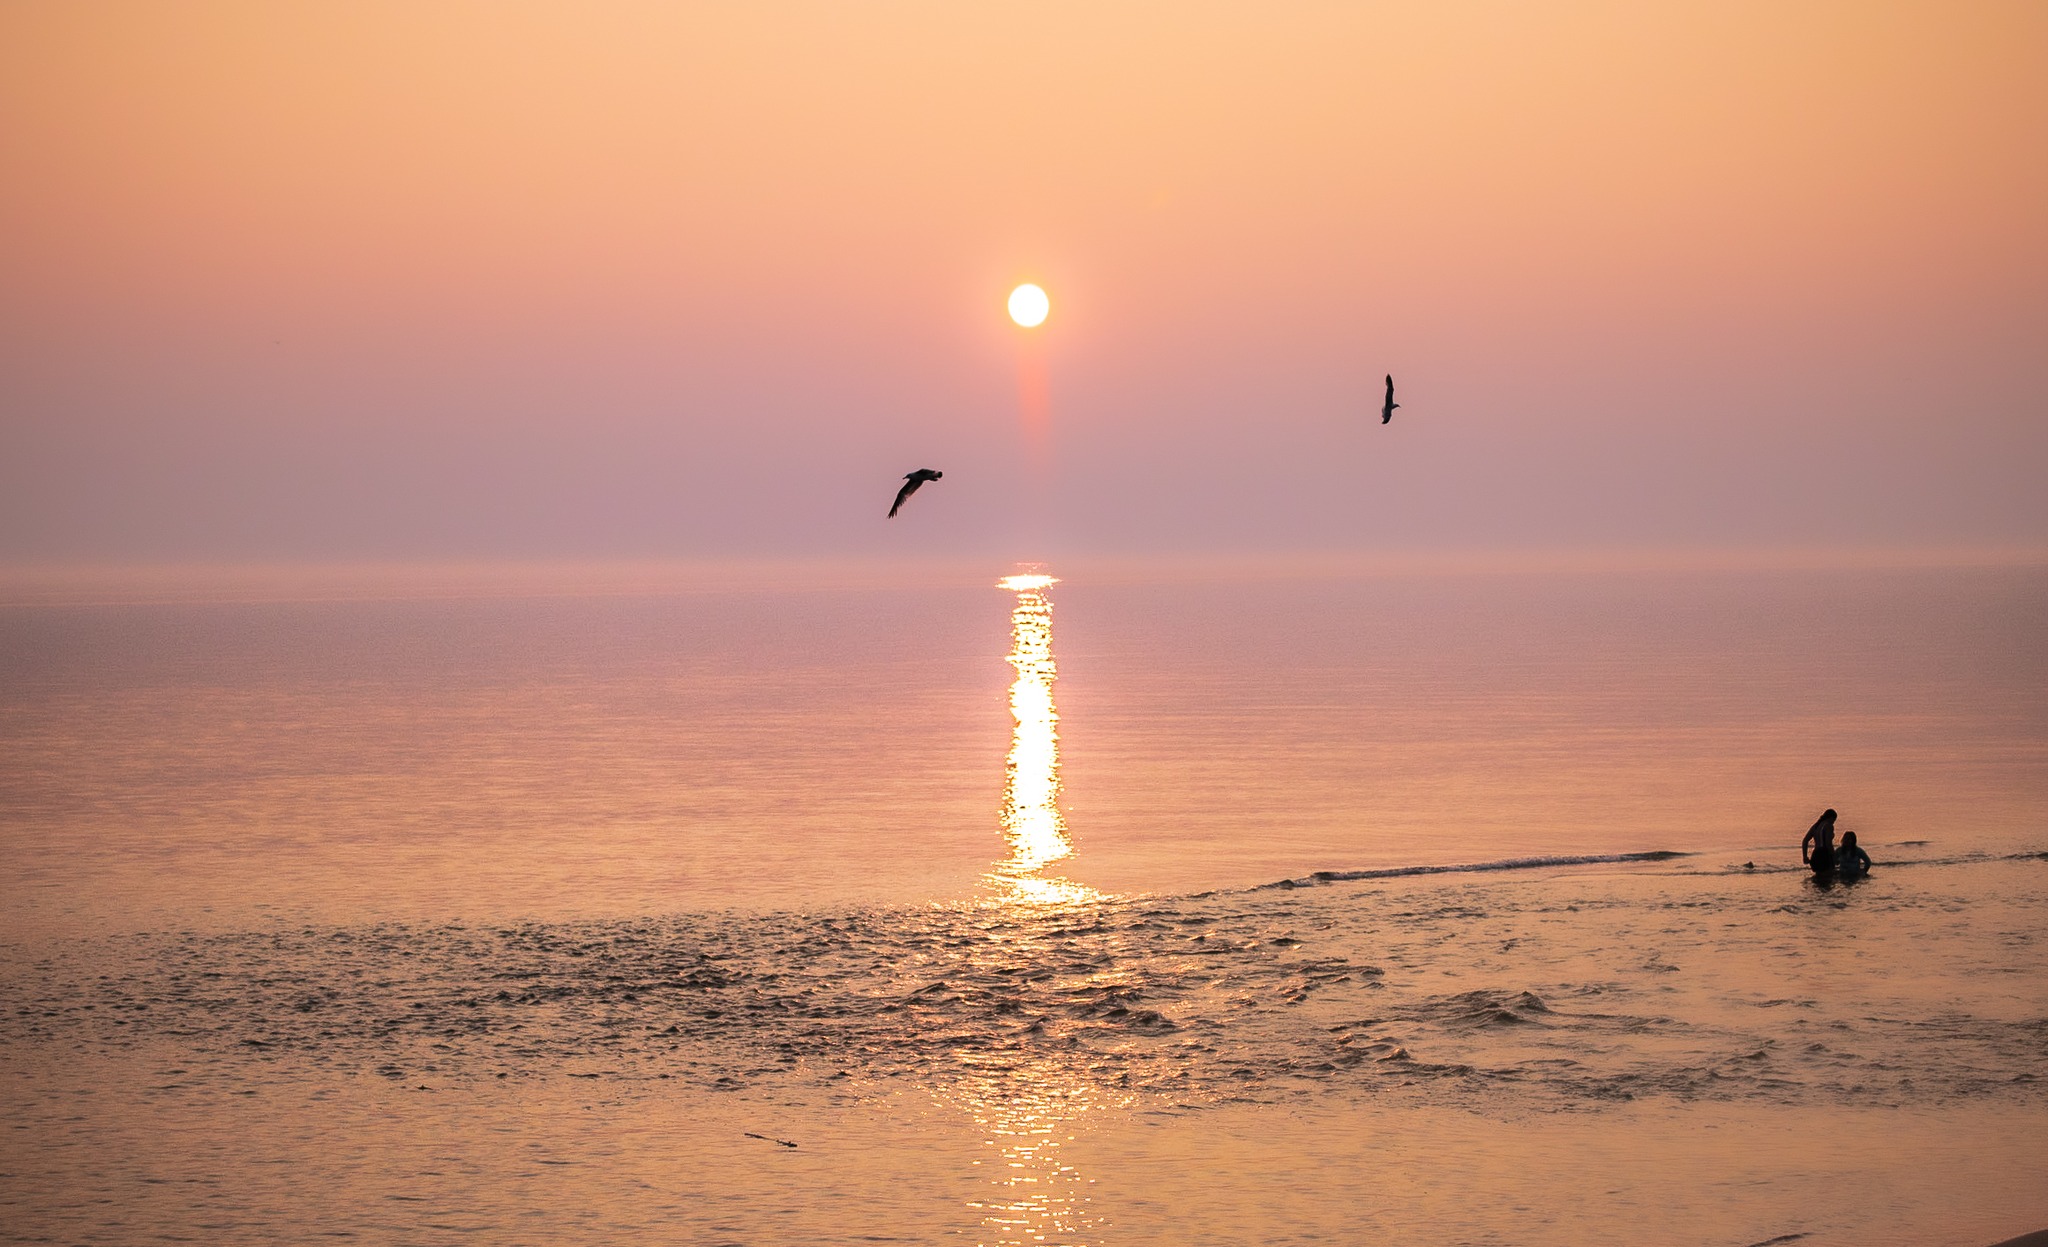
1028	305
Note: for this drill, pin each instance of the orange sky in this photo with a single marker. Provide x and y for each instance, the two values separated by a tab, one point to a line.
520	280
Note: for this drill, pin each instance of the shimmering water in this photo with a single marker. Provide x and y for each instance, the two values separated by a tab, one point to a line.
1059	911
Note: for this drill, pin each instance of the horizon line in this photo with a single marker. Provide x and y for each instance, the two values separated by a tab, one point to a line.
83	582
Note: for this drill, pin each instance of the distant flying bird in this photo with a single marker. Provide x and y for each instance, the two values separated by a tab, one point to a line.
911	480
1387	408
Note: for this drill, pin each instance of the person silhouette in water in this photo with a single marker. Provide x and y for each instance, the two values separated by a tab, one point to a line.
1851	862
1818	849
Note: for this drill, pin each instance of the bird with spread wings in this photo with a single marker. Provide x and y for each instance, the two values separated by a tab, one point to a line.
911	480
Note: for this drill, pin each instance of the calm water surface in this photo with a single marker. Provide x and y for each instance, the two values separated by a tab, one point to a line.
570	757
1047	911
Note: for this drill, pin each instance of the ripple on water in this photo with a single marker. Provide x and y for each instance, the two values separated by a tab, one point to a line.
1536	991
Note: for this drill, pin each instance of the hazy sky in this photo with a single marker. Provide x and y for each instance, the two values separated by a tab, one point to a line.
448	280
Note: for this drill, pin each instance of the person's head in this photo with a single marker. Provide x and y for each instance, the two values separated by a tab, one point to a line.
1827	816
1848	839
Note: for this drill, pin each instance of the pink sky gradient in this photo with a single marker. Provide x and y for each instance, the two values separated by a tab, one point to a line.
521	281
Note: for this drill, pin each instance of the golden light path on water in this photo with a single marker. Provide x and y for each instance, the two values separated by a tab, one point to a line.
1032	822
1028	1108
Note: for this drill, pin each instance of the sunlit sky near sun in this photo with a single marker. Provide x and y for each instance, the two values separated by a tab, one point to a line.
336	281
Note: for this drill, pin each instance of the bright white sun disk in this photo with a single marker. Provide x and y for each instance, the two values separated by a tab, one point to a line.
1028	305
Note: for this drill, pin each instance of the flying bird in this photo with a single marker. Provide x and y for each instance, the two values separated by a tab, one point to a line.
911	480
1387	407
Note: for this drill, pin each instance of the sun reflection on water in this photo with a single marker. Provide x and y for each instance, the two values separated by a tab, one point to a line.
1028	1105
1038	1198
1032	822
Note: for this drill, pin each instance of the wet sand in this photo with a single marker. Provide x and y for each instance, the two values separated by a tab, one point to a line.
129	1152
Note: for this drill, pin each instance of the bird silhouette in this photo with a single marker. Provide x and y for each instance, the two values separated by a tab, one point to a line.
911	480
1387	407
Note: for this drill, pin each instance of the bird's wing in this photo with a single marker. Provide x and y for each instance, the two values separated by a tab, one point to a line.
909	487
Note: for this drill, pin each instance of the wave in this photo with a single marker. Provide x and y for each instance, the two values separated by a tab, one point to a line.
1966	859
1322	877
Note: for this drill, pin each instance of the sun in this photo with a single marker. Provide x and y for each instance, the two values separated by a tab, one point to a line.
1028	305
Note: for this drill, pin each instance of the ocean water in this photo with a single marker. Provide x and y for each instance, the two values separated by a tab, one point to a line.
1421	909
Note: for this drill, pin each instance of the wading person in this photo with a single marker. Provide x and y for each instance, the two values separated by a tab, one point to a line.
1851	862
1818	848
